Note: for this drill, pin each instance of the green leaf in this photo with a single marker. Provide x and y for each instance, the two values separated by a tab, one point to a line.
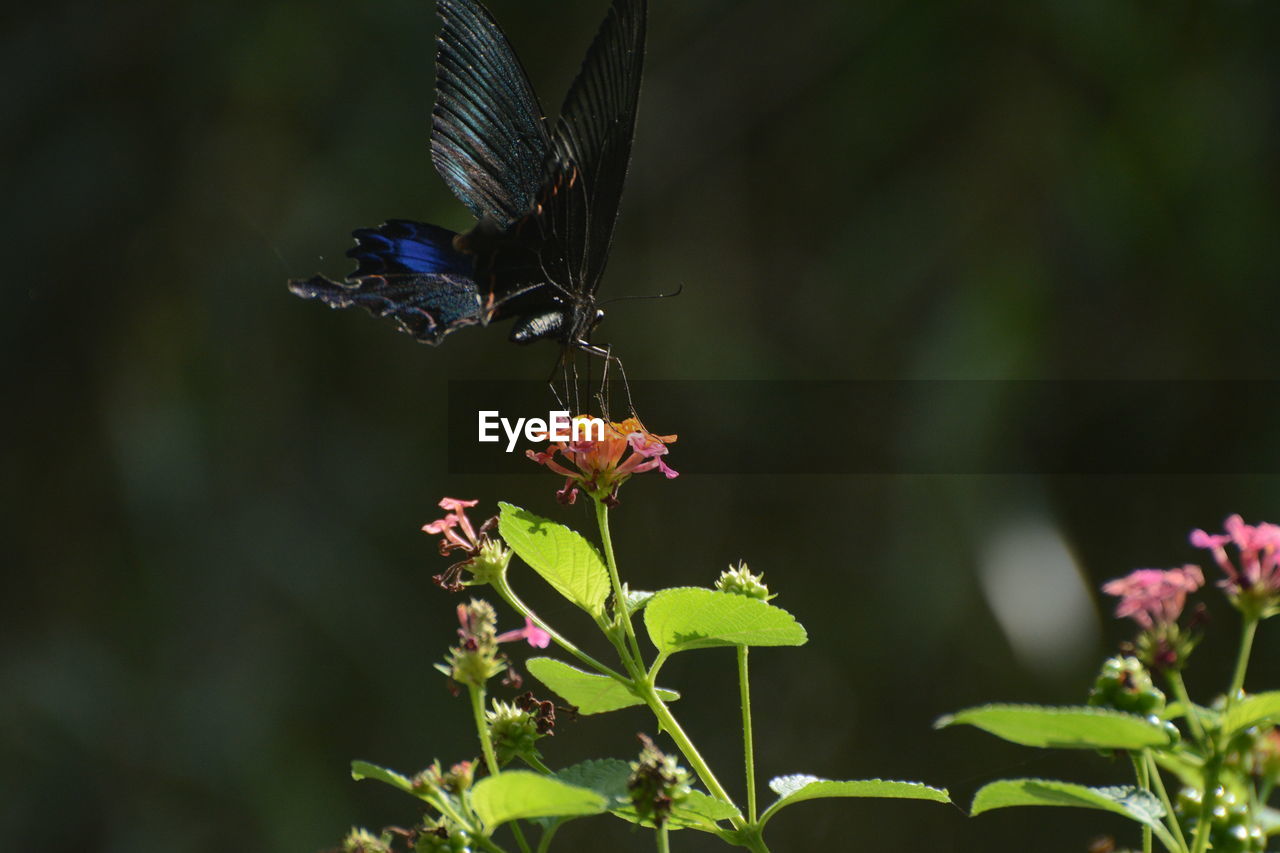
365	770
696	811
1252	710
517	794
1068	728
635	598
562	557
1133	803
799	787
606	776
694	618
592	693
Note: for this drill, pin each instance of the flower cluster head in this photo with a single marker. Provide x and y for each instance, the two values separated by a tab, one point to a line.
454	782
477	658
486	556
1155	598
516	726
740	580
1253	580
599	464
657	783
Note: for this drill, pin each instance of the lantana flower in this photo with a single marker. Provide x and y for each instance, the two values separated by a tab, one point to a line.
485	553
1253	581
1155	598
600	467
477	658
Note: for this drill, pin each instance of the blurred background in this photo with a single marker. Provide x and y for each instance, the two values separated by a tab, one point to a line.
217	594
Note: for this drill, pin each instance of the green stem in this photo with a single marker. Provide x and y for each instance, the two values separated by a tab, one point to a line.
1180	693
664	845
519	834
486	742
1242	660
1142	772
690	752
748	740
508	595
536	764
1153	774
619	600
544	843
1214	766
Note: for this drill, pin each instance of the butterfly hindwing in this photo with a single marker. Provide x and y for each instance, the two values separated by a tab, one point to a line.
409	272
488	138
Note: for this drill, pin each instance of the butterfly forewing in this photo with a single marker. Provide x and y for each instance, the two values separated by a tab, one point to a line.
488	138
591	144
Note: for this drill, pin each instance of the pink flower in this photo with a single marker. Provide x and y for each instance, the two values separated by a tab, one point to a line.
601	467
1154	597
458	534
536	637
1258	569
455	528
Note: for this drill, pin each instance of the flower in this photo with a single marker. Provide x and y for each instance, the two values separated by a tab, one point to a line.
1154	597
486	555
477	658
536	637
1253	582
601	466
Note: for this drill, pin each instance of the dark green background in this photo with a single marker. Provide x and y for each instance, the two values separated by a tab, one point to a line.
216	593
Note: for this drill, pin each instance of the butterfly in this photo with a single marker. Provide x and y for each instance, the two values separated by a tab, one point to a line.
545	196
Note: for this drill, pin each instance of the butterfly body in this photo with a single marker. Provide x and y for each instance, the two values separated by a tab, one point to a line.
545	196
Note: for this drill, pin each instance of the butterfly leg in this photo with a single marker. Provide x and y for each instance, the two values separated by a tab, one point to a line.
551	379
602	396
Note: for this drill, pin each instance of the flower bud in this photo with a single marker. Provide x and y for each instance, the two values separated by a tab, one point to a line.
1124	684
363	841
515	728
740	581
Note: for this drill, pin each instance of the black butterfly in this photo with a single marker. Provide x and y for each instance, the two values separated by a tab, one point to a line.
545	197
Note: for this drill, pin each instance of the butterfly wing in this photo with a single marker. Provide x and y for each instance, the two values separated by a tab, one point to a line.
558	251
591	145
488	138
409	272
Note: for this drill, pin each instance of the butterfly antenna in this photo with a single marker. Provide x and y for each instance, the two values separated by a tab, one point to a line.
676	292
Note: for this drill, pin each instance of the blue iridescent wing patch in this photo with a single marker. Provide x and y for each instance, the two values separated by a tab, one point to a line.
408	272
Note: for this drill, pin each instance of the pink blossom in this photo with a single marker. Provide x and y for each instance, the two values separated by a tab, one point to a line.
1154	597
1258	547
535	636
458	534
602	466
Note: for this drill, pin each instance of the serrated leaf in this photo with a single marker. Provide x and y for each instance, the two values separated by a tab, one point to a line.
693	618
606	776
1251	711
590	692
562	557
799	787
636	599
517	794
1080	727
1133	803
696	811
